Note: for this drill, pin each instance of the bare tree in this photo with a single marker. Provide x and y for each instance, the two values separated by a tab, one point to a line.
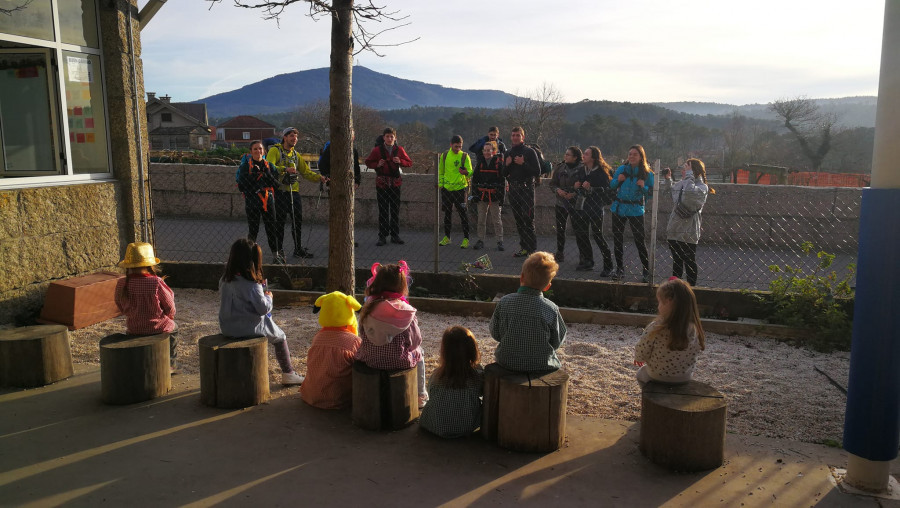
540	112
810	126
21	7
348	26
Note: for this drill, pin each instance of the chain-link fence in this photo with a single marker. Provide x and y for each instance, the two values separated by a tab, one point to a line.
198	213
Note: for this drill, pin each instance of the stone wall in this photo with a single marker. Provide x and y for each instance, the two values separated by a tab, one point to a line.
757	216
50	233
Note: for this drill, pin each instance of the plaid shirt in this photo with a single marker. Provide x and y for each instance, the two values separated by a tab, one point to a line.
529	329
329	369
453	412
149	306
402	352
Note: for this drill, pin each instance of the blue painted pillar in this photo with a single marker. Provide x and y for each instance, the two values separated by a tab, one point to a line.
872	419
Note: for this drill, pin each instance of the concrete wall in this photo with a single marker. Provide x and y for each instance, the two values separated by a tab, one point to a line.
758	216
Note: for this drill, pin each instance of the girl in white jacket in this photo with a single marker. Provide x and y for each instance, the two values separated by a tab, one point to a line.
683	230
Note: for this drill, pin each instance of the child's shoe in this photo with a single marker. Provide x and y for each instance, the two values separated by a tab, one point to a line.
423	399
291	378
444	241
464	244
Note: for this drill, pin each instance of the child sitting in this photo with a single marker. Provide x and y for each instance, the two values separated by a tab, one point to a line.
329	362
529	327
146	300
246	306
454	407
672	342
389	330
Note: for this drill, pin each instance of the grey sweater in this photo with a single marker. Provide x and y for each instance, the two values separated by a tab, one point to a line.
246	311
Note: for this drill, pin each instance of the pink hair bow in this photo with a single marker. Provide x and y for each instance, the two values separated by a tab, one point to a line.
404	268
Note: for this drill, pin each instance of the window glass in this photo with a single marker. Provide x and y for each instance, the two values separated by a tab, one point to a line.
78	22
85	113
27	141
28	19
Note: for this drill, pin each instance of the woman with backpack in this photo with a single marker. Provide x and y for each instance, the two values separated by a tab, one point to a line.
633	182
257	181
592	183
683	230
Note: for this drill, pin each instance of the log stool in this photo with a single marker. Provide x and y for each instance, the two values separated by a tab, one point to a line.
234	373
683	426
491	401
34	356
384	399
134	368
532	412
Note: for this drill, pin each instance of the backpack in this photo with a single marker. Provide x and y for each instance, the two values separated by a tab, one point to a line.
237	172
322	152
546	166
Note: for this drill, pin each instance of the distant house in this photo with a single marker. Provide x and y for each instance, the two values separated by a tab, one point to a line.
176	125
240	130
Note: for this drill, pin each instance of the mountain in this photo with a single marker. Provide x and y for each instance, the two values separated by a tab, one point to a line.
380	91
851	111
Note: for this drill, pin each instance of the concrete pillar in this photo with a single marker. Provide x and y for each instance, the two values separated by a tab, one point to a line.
872	418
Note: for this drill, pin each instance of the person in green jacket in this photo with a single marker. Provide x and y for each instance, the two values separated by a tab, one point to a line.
454	171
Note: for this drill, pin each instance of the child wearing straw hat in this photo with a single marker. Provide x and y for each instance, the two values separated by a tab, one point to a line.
146	300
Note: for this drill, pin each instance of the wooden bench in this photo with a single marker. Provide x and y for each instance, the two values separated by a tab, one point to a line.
384	399
134	368
683	426
234	373
524	412
34	356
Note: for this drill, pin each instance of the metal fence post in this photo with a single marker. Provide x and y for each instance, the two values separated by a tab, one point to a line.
654	222
437	213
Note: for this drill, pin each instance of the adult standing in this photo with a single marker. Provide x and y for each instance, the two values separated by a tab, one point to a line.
290	165
562	183
257	180
325	162
522	167
683	230
492	135
634	185
488	187
387	158
593	183
454	171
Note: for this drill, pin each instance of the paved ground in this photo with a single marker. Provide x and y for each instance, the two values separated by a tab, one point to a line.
719	266
60	445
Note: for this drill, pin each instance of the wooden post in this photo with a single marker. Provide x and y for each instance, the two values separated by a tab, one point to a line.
234	373
366	405
384	399
491	407
532	413
683	426
134	369
34	356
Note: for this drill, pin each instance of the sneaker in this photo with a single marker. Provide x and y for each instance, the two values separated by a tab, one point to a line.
423	399
521	254
381	241
478	245
396	239
444	241
175	367
500	246
559	256
302	253
279	258
464	244
291	378
619	273
584	267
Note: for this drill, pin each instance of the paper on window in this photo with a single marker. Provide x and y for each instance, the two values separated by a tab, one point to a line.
81	70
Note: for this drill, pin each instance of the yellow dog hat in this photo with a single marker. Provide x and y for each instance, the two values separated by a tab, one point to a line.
338	310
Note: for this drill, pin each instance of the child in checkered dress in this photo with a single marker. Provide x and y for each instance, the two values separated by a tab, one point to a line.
671	343
388	327
454	406
528	326
144	297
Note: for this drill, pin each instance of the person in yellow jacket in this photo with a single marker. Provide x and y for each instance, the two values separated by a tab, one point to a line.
454	171
290	165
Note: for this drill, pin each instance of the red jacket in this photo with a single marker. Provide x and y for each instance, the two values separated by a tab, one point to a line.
388	175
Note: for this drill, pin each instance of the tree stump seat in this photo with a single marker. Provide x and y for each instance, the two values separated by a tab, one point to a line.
525	412
134	368
234	372
384	399
683	426
33	356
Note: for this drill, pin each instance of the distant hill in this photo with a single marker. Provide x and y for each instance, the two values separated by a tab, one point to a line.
851	111
380	91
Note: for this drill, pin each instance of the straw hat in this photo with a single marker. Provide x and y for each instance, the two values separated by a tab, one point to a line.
139	254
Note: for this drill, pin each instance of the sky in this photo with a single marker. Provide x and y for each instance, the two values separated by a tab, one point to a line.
638	51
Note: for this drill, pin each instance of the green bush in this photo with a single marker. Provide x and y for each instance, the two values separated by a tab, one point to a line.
817	300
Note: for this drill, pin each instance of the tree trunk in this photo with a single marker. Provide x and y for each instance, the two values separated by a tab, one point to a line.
341	260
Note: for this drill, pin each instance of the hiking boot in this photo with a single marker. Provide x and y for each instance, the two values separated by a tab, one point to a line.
396	239
478	245
584	266
607	271
444	241
381	241
619	273
521	254
291	378
464	244
560	256
302	253
500	246
279	258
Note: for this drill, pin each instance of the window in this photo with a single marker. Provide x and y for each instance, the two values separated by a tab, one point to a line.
166	117
53	122
245	135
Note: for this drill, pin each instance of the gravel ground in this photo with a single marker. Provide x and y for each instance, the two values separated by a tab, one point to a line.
772	389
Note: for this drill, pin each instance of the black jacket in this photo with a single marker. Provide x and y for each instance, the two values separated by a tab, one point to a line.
488	183
325	164
522	173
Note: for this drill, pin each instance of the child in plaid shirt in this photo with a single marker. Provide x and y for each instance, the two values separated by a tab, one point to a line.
529	327
454	407
388	327
144	297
